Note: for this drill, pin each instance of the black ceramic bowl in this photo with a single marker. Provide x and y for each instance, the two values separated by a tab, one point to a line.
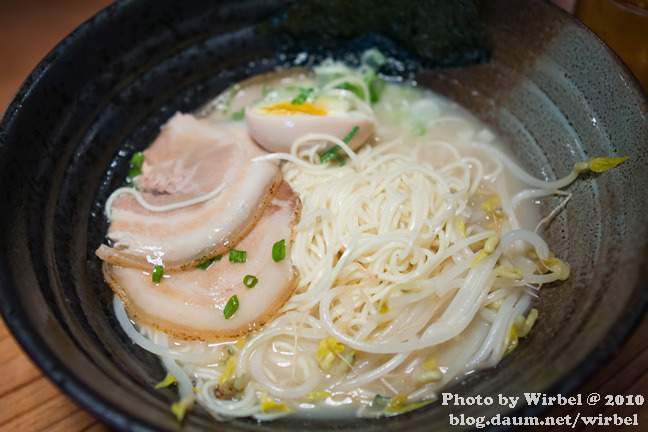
550	88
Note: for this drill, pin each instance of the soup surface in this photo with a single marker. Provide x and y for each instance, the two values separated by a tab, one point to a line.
327	241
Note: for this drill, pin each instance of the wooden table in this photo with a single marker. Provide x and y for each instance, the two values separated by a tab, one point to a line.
30	402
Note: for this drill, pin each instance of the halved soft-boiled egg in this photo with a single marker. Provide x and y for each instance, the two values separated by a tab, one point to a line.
276	126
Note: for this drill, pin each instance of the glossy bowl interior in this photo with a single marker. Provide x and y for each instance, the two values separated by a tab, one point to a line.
551	89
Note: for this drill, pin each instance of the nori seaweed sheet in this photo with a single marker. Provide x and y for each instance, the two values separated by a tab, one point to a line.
432	33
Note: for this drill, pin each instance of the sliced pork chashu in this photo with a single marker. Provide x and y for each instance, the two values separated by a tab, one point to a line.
189	304
190	159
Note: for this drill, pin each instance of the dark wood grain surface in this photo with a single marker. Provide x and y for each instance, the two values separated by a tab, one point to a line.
30	402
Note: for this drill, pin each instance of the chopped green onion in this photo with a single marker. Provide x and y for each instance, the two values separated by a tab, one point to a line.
354	130
135	165
239	115
353	88
137	159
375	84
134	172
205	264
279	250
332	153
231	307
228	99
237	256
158	271
303	95
250	281
376	87
419	130
374	58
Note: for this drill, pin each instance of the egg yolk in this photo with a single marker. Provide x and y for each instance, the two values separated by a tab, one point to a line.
289	108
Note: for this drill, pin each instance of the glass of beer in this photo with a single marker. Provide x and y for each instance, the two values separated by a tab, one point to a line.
623	25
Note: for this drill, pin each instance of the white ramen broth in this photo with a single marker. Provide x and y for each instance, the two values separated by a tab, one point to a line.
413	258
